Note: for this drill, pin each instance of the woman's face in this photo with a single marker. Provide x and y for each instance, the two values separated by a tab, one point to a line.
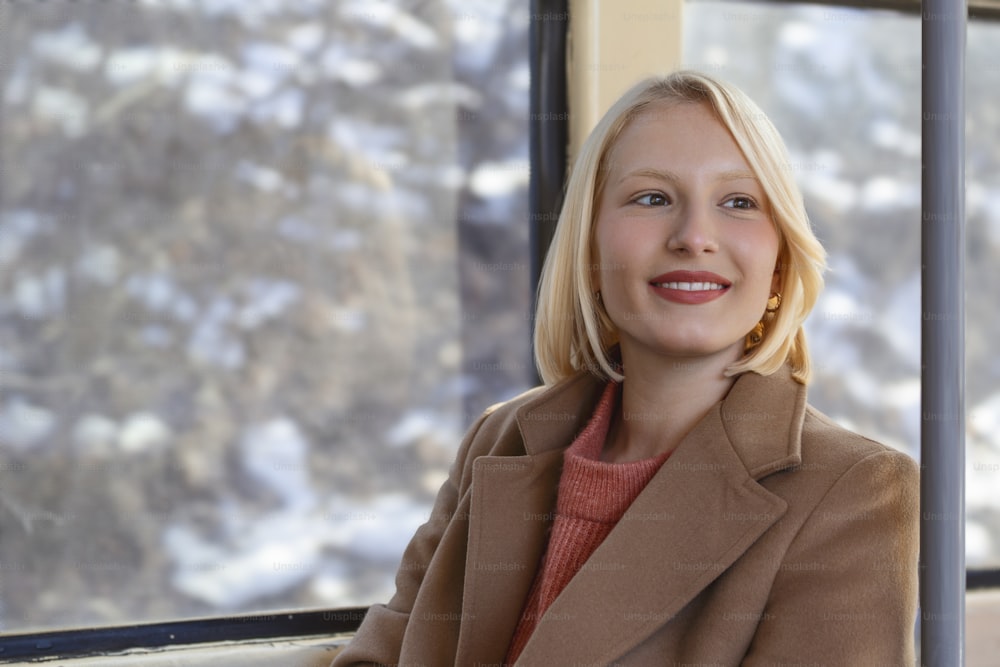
685	245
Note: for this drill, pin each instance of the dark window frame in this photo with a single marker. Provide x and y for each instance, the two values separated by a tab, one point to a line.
85	642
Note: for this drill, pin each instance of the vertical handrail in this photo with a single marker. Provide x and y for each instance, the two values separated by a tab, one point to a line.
942	436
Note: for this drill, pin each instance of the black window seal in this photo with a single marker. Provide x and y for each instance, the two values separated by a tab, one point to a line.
85	642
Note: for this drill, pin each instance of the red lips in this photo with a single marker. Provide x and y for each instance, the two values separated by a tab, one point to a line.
689	287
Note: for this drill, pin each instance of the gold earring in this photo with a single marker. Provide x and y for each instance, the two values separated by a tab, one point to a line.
756	334
774	302
753	338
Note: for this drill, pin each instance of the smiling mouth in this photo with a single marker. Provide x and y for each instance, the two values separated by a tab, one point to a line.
691	287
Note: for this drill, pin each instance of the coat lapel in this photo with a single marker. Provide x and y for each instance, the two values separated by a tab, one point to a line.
700	512
513	497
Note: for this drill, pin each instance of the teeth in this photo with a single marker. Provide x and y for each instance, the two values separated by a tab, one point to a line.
691	287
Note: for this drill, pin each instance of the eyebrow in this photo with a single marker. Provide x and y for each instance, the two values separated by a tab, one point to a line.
667	175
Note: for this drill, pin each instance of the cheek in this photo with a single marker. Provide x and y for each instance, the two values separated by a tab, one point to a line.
612	258
761	251
605	252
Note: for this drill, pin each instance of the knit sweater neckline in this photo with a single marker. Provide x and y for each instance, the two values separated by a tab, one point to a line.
593	495
596	490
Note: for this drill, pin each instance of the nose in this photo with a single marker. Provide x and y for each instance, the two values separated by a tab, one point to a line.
692	231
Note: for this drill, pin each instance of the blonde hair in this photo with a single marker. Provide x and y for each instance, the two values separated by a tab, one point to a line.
572	330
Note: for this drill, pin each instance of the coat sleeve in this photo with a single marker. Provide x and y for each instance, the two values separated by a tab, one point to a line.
846	591
379	639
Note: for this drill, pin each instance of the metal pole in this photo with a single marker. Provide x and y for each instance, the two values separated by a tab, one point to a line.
942	437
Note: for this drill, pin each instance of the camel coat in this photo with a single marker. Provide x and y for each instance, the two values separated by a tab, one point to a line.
771	536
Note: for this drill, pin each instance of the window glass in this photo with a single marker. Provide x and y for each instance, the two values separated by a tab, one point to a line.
260	264
843	87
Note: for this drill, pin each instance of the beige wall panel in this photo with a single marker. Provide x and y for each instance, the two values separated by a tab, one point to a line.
612	44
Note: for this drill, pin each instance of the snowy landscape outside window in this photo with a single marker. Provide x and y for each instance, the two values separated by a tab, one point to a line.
843	87
260	264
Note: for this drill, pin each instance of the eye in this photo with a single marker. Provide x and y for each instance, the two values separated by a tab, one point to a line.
651	199
741	202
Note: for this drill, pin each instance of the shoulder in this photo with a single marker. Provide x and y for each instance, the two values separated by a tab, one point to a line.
823	439
566	400
547	413
838	454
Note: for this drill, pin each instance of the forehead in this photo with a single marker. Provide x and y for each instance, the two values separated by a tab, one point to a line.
675	133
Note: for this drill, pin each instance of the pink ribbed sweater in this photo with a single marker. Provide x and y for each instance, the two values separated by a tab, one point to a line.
593	496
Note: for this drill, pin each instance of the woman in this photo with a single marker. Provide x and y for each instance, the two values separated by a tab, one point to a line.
668	497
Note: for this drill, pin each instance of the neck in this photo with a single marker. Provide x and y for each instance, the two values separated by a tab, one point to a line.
662	400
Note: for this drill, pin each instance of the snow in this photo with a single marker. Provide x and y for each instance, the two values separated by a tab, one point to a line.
363	137
451	93
41	296
143	432
417	424
158	292
798	36
898	321
63	107
19	82
276	453
266	300
519	81
284	110
296	229
306	38
984	423
266	67
347	319
978	545
100	263
251	14
264	555
340	64
156	335
69	47
383	203
478	29
904	397
888	135
24	425
211	343
94	436
497	179
251	556
388	16
837	193
375	530
883	193
221	105
979	199
164	65
262	178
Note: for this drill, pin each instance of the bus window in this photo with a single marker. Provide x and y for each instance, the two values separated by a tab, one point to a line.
259	263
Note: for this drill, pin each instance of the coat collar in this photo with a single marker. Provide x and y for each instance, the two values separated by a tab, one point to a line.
698	514
756	409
